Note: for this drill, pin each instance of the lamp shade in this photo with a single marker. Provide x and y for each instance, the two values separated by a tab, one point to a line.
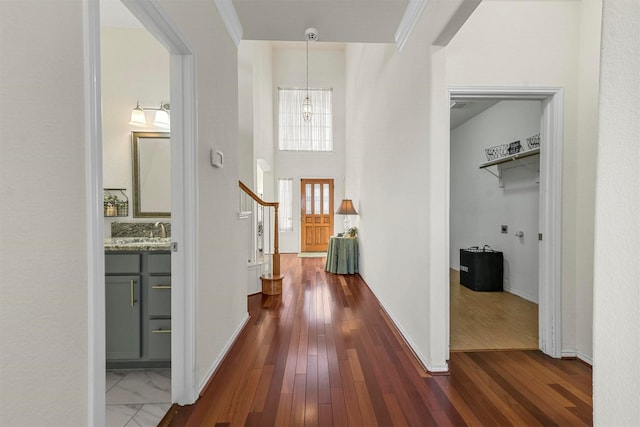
161	118
346	208
137	117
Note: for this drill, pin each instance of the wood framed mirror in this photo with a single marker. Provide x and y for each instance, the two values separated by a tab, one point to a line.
151	174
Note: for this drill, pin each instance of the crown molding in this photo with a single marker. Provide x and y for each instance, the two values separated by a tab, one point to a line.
407	24
230	18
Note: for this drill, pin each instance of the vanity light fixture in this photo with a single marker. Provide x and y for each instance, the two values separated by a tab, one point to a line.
161	117
137	116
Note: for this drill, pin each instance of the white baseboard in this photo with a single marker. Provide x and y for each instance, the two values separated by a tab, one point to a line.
436	368
586	359
571	354
412	345
223	353
533	299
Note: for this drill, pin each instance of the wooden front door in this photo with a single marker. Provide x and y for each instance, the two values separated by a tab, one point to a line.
316	214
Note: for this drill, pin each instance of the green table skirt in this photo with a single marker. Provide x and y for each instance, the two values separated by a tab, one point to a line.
342	255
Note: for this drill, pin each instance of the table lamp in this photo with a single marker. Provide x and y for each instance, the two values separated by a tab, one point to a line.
346	208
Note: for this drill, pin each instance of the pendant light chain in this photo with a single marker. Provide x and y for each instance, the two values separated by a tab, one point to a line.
307	68
307	108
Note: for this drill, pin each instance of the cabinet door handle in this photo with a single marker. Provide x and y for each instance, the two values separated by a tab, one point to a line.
131	285
161	287
161	331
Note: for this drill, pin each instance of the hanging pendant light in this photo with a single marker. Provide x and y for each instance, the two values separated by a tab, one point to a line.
311	35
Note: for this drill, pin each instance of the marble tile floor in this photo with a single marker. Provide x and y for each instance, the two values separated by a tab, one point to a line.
137	397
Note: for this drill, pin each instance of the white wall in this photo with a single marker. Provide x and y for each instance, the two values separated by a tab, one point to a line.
135	67
43	255
326	70
616	373
263	123
590	24
221	288
392	149
387	141
43	274
479	206
531	43
399	143
245	113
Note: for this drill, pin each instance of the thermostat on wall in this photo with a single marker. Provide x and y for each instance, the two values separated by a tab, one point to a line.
217	158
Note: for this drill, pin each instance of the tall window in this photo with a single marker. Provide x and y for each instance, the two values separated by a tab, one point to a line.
285	208
295	134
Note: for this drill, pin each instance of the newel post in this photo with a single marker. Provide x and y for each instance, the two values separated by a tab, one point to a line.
276	253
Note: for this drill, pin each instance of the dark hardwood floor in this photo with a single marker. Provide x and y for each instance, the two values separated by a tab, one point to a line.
324	353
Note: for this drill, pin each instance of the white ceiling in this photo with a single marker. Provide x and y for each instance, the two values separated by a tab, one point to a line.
371	21
115	14
368	21
339	21
464	110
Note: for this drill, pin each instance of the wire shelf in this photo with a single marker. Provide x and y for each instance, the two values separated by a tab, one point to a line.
116	202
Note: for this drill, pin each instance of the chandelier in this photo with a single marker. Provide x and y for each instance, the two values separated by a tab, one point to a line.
310	35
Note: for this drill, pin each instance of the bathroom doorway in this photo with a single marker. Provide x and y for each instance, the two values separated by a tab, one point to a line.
135	88
183	209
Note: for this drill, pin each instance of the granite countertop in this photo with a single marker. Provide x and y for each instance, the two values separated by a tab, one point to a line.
137	244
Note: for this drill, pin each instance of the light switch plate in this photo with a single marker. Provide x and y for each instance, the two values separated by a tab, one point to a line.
217	158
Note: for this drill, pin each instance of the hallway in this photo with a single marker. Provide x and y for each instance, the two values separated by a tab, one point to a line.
325	353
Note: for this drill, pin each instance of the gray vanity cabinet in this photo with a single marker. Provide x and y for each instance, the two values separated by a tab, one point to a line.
159	307
160	339
122	316
138	309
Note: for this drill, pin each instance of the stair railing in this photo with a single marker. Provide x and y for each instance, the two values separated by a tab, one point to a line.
272	281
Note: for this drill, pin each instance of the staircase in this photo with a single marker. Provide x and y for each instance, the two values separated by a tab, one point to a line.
271	280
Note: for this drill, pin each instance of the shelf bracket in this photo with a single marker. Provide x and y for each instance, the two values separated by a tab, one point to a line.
524	164
517	158
497	175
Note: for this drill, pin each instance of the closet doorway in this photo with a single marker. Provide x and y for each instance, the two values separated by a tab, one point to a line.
494	205
547	237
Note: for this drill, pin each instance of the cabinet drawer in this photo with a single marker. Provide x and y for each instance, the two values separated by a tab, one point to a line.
159	294
159	263
121	263
160	339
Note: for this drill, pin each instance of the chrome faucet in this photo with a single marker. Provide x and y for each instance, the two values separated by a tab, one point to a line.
163	230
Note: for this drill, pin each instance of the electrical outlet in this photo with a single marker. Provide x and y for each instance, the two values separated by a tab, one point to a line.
504	229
